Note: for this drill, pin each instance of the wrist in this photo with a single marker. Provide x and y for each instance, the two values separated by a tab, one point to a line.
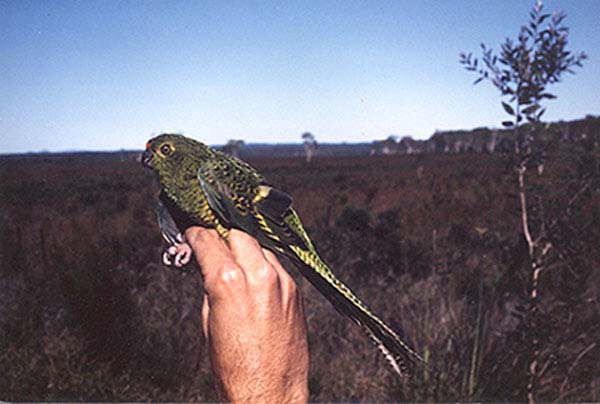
285	394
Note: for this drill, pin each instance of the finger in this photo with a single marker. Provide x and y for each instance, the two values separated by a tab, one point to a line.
260	275
205	315
272	259
223	278
289	290
245	249
209	248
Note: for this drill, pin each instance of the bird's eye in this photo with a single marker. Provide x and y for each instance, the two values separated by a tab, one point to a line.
165	149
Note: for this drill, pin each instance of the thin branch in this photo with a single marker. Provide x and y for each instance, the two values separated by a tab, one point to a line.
524	217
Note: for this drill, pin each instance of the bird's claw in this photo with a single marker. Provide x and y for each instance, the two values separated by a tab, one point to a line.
177	255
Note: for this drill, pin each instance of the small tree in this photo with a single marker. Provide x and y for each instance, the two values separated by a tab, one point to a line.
310	144
526	67
390	145
233	147
522	73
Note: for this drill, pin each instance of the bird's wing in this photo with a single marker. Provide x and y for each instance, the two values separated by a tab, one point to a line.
241	198
230	186
168	229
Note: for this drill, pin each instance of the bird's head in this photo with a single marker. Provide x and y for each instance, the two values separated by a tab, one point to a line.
168	154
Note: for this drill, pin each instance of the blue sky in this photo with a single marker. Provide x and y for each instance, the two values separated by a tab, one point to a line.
107	75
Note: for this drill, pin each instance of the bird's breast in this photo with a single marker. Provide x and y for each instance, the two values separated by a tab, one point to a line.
197	205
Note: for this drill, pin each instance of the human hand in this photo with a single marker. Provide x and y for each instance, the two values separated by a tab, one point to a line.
253	320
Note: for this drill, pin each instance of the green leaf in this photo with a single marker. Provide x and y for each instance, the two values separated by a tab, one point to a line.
508	108
539	115
530	109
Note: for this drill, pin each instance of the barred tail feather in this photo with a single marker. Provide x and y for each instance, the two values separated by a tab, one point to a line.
398	366
398	353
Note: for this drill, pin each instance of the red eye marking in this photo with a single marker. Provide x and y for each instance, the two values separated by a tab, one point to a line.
148	145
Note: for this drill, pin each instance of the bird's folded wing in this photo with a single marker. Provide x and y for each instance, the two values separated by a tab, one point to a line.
168	229
242	199
229	192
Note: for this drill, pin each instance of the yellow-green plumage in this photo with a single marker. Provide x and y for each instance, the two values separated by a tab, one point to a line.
216	190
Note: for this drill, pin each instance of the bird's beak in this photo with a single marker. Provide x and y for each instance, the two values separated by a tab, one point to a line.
146	158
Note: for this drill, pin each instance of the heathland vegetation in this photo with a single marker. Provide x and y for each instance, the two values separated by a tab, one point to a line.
433	242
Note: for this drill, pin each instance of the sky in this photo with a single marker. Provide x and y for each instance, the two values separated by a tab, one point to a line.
108	75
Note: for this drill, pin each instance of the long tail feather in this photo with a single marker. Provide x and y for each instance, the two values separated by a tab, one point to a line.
396	351
284	233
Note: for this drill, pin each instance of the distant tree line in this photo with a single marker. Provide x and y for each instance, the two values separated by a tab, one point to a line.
585	132
485	140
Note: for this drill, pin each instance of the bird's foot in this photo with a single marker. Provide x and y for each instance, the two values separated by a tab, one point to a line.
177	255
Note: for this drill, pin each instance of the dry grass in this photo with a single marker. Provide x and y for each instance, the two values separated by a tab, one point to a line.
88	313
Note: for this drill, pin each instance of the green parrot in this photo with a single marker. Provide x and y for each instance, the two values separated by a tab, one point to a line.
203	186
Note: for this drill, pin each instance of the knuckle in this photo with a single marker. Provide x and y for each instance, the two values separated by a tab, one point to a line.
265	274
230	275
228	278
